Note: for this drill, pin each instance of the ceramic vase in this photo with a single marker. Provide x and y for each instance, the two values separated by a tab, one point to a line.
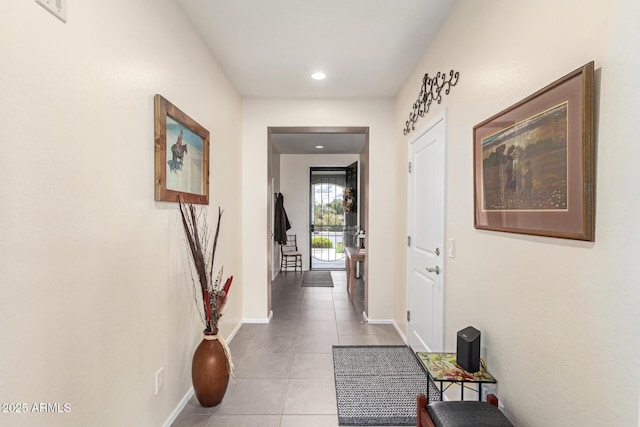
210	371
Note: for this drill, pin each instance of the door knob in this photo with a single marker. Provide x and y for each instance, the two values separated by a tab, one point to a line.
435	269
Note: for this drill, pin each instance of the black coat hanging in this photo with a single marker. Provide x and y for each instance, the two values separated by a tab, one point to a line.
281	221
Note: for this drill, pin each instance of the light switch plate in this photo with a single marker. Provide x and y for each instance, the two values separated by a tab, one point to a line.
56	7
159	380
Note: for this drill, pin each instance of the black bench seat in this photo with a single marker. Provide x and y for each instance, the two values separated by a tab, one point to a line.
460	413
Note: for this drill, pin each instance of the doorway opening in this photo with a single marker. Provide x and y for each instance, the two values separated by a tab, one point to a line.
292	152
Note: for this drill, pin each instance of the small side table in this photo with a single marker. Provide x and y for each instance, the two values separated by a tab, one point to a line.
442	368
353	255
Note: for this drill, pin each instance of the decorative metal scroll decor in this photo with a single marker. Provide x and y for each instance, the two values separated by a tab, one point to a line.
431	91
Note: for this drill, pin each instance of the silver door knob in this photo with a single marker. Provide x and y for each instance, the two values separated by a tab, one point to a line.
435	269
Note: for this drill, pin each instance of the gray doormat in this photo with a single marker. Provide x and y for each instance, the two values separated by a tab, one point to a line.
377	385
321	279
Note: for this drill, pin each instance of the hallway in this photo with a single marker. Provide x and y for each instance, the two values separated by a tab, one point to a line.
284	369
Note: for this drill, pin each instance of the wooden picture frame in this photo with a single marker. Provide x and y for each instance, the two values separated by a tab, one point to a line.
534	163
181	156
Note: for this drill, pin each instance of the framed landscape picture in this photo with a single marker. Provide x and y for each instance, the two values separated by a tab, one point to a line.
534	162
181	156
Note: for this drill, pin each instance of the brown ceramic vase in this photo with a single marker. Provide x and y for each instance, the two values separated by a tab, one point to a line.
210	371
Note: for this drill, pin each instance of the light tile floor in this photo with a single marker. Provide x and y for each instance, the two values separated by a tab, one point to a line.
284	369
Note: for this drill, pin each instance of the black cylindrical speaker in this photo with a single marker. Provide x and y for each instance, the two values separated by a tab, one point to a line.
468	349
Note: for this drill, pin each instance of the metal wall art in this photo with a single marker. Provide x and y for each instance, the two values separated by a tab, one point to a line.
431	91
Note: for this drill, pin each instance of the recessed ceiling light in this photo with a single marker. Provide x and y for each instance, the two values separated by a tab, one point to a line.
318	75
319	147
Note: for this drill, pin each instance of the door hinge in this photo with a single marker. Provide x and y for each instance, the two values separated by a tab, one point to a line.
409	167
408	316
409	241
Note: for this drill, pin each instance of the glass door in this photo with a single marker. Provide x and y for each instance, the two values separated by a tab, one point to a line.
327	218
350	206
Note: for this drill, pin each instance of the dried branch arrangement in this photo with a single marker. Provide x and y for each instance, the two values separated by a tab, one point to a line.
213	291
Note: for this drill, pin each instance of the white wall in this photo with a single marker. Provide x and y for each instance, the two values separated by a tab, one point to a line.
294	186
559	318
377	114
94	294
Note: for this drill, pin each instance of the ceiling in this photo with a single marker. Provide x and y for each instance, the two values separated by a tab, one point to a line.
305	143
269	48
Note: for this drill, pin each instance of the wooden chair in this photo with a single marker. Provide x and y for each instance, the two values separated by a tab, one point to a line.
460	414
289	254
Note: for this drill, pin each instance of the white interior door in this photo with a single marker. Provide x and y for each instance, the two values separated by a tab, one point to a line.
426	204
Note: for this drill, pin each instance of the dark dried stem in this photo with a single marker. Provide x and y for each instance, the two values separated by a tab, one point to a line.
215	244
191	231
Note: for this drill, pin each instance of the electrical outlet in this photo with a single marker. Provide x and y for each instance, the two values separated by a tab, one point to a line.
159	380
57	7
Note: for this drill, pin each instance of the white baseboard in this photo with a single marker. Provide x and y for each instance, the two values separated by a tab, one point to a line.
178	408
378	321
397	328
263	320
385	322
234	332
